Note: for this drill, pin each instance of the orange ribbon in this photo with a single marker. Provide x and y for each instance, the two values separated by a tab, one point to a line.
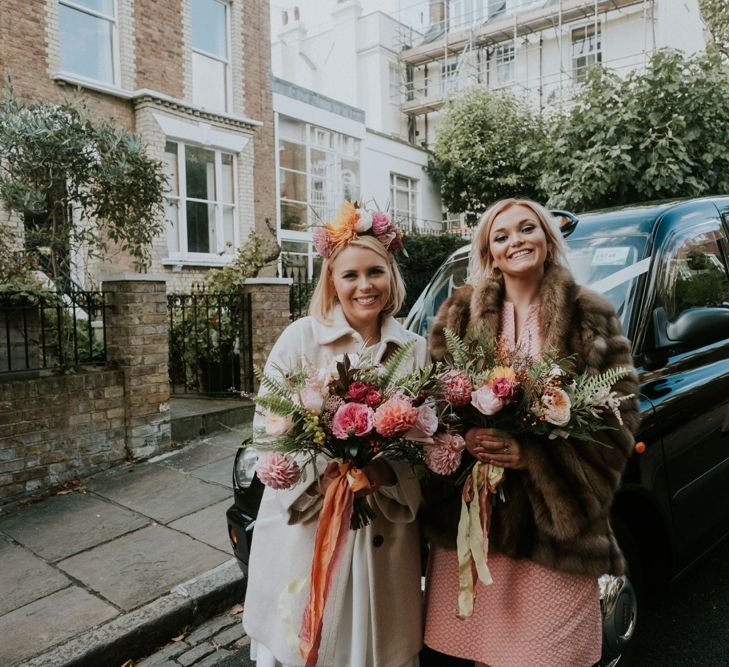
331	537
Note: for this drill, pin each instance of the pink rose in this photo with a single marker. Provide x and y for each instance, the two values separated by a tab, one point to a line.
352	419
311	399
503	388
277	425
457	387
425	424
444	455
395	416
380	222
277	470
485	401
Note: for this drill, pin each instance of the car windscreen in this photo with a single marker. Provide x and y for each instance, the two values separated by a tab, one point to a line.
609	264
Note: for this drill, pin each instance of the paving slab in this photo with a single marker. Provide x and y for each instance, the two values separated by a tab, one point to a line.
220	472
201	453
35	627
208	525
142	565
157	491
61	526
25	577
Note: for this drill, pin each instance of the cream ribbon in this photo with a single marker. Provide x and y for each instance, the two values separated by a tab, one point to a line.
294	587
472	540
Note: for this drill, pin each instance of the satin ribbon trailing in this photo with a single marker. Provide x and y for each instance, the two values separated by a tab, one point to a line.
331	537
473	527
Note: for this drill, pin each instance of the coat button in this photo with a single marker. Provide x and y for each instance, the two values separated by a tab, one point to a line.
378	540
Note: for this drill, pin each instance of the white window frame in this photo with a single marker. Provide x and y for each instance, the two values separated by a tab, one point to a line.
504	63
396	82
410	217
180	201
448	74
591	35
226	61
113	19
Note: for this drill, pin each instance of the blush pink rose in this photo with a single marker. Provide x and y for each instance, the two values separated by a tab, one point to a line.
312	399
277	470
352	419
444	456
425	425
395	416
485	401
277	425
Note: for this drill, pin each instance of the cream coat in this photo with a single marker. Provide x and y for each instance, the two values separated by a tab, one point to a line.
283	539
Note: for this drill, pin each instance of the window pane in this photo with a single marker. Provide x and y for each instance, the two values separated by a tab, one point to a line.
295	246
200	227
293	216
322	163
208	27
173	226
101	6
209	84
293	185
200	178
171	170
292	156
291	129
228	230
323	198
86	46
227	176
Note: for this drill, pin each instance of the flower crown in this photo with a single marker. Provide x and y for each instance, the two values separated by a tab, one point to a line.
353	221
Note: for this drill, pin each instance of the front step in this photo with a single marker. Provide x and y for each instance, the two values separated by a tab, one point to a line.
192	417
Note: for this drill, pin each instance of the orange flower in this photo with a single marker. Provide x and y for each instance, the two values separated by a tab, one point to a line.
502	373
341	229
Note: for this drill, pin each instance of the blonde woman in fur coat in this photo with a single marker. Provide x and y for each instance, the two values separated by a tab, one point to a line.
551	537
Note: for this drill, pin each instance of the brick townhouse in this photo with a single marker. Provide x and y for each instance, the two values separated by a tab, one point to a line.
191	78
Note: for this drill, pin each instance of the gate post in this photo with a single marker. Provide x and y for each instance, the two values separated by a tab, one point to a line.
137	343
269	315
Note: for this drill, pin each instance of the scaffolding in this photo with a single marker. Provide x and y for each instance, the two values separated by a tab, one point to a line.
452	56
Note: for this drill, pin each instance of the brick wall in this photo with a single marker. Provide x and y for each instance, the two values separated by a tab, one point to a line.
159	46
53	429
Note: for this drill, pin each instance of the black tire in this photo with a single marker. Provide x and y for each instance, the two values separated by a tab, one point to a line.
621	627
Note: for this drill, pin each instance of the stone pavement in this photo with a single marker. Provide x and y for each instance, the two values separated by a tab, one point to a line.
116	568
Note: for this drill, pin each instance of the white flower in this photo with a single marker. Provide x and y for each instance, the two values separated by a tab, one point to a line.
485	401
277	425
364	224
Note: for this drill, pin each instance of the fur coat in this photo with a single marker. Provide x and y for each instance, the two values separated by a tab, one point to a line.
557	509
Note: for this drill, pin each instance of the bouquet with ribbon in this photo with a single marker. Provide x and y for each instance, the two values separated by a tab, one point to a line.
489	386
349	416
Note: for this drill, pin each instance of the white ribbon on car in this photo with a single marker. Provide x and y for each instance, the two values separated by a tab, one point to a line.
622	276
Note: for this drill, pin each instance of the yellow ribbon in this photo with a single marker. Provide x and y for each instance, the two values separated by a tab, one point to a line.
472	539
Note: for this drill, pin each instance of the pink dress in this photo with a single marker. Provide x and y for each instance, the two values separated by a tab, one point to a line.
529	615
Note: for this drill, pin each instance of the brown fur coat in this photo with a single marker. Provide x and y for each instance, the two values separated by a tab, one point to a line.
557	510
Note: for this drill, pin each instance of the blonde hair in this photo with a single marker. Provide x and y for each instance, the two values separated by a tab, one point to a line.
324	297
481	262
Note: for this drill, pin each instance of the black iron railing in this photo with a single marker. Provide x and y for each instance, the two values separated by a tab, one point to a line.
210	342
299	297
49	330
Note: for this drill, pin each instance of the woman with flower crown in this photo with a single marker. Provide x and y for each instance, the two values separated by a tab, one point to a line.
372	616
550	538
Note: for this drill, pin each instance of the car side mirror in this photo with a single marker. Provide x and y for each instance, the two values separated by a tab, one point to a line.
693	327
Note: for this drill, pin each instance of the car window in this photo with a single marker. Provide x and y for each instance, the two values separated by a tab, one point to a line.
694	273
450	276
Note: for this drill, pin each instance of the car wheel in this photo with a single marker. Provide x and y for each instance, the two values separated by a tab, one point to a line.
622	603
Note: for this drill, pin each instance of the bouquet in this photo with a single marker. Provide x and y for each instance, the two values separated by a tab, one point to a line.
487	385
351	414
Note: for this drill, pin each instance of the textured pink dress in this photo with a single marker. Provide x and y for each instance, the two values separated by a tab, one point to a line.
530	615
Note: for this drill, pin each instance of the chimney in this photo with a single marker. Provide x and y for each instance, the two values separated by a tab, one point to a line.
437	11
297	17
